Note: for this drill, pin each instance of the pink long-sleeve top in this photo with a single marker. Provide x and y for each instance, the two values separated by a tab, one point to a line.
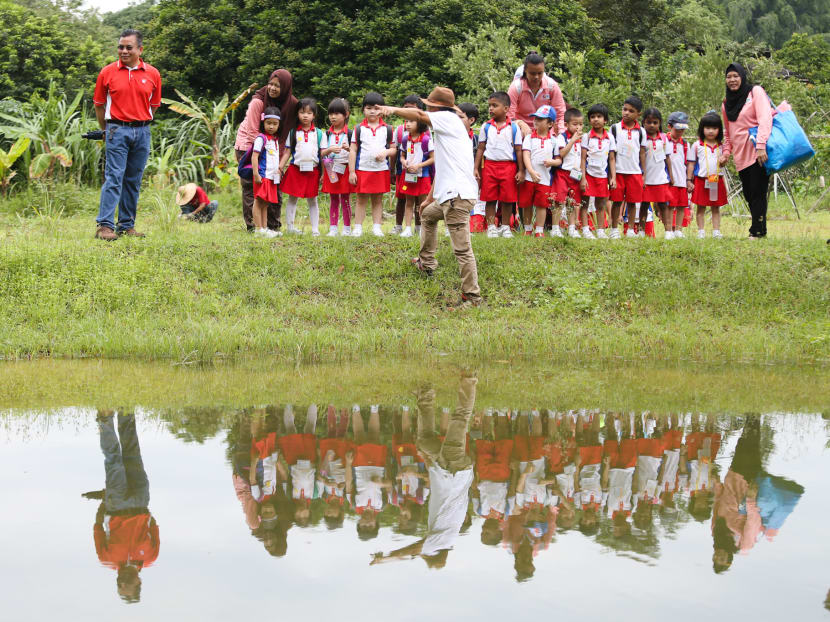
249	505
757	112
523	102
249	128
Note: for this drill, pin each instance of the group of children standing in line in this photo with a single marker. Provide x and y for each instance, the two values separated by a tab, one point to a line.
595	179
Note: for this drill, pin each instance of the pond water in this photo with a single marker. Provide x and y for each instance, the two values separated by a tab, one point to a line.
445	501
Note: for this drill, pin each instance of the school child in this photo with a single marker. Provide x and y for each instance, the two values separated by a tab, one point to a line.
369	164
416	158
630	160
706	186
678	213
658	177
331	476
336	181
469	115
619	460
370	481
528	451
499	165
195	203
599	173
265	162
411	480
568	193
588	469
301	164
540	152
300	454
495	476
410	101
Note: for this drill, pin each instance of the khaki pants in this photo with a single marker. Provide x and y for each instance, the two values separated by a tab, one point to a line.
452	453
456	214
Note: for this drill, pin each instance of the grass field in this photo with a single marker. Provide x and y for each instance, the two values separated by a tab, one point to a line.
192	292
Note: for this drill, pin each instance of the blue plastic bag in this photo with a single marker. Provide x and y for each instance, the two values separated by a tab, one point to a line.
787	144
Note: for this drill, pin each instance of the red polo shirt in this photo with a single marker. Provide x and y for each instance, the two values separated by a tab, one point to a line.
128	94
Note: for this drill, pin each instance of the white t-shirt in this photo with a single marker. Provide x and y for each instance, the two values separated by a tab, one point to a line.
492	496
409	485
533	491
629	142
334	470
453	158
565	481
645	475
706	158
656	152
448	501
501	140
677	160
307	152
302	480
541	149
272	157
415	154
371	142
340	159
573	159
590	487
619	490
668	475
598	148
269	478
368	493
699	475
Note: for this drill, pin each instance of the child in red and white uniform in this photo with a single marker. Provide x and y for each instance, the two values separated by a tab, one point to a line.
499	165
678	214
411	481
369	163
410	101
588	475
303	148
540	152
300	454
494	475
336	181
265	165
569	174
631	154
331	476
706	186
619	461
417	159
658	176
469	115
528	451
368	461
599	173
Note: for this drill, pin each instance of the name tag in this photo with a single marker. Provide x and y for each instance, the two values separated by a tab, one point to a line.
339	168
659	155
575	174
306	167
411	177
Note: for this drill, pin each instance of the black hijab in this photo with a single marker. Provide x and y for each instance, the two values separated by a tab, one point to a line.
735	100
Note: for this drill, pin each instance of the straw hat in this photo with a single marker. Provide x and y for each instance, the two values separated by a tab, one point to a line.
441	97
185	194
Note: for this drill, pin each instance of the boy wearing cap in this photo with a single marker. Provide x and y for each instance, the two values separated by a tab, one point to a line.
540	153
677	214
195	204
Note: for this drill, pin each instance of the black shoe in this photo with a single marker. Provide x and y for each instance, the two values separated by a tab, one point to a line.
416	261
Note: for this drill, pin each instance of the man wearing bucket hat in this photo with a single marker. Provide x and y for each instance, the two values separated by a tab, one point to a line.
454	189
195	203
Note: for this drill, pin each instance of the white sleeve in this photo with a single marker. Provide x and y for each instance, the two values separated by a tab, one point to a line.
586	139
691	156
288	140
517	133
482	134
324	140
527	144
612	143
259	144
430	146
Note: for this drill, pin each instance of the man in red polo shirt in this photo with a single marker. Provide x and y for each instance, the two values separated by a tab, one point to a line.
127	93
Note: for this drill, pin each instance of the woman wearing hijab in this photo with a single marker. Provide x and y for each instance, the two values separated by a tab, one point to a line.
278	92
747	105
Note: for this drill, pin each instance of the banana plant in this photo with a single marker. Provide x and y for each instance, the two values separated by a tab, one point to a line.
211	115
7	160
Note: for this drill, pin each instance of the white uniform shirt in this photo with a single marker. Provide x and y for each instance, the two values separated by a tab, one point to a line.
656	152
447	503
302	480
598	147
629	143
492	496
534	492
271	149
668	476
500	140
307	152
415	154
565	481
371	142
368	493
409	485
333	470
269	478
645	475
541	149
677	160
573	159
619	490
453	158
590	487
706	158
699	475
340	160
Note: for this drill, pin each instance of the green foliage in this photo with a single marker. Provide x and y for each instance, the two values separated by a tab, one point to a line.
484	61
137	16
806	56
7	160
773	21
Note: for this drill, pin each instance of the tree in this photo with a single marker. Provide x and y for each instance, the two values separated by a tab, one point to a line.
7	160
485	61
806	56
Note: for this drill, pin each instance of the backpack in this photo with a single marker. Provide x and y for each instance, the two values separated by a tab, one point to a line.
513	125
425	137
245	168
358	133
292	136
550	84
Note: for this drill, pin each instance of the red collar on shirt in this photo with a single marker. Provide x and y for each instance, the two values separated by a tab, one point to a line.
715	148
306	132
654	140
140	65
533	134
337	133
630	129
496	125
381	123
471	133
593	134
674	142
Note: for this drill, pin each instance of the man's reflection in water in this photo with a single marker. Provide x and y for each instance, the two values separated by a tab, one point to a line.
450	474
126	535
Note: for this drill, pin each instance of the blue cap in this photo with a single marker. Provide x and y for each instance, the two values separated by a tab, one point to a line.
545	112
678	119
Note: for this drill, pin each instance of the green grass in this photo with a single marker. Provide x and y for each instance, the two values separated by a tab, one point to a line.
192	292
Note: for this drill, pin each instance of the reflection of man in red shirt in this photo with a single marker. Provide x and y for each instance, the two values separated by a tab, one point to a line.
126	535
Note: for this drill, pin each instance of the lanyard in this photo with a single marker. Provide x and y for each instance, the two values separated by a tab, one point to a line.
715	153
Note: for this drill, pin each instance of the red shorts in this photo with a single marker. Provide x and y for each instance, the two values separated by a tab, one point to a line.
694	441
493	459
566	186
498	181
477	224
557	457
592	454
298	447
656	194
418	188
370	454
302	185
402	449
372	182
623	453
672	439
700	195
532	194
268	191
341	186
264	447
629	188
597	186
338	445
527	448
650	447
678	197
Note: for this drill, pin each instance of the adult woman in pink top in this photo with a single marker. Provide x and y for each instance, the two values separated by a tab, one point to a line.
278	92
747	105
532	89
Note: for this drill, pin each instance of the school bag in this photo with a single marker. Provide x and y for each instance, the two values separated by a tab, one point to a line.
513	125
245	168
292	136
787	144
358	134
424	150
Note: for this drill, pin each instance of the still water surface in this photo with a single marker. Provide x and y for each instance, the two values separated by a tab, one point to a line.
441	507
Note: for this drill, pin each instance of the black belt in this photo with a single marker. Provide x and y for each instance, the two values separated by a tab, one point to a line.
129	123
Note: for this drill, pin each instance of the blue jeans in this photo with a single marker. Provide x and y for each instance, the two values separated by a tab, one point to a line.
127	151
127	487
206	215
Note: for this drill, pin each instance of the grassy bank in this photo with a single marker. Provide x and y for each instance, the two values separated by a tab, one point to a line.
196	293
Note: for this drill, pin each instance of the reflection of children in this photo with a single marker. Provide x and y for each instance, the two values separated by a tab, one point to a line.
707	187
528	451
300	454
195	203
332	472
619	460
412	482
368	460
587	475
303	147
493	475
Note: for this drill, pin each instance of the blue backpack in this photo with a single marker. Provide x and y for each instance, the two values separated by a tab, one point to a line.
513	125
245	168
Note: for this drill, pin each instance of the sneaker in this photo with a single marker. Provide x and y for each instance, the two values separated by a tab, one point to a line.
556	232
492	232
261	232
717	234
505	232
315	234
614	235
573	233
540	234
416	262
701	234
396	230
466	303
292	229
270	233
347	230
406	233
528	232
377	231
630	234
333	232
105	233
357	231
586	234
641	234
678	235
669	235
601	235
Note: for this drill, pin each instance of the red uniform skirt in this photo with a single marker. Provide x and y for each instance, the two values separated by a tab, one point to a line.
656	194
700	195
341	186
268	191
415	188
678	196
301	184
597	186
372	182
